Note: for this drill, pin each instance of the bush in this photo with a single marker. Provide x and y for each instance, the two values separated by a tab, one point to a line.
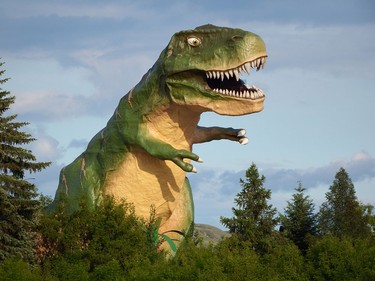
332	258
11	270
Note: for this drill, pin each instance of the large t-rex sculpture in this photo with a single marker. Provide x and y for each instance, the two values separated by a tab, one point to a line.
144	152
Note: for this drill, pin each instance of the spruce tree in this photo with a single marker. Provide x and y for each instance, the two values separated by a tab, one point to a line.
299	220
254	219
18	197
342	215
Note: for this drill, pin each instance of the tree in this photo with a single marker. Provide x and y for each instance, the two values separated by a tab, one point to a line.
341	214
254	219
107	240
299	221
18	203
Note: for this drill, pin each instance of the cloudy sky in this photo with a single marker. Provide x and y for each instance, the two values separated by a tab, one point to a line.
71	61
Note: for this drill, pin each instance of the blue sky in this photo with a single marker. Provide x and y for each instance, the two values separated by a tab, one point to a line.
71	61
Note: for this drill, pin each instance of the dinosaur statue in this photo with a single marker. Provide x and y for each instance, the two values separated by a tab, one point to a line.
144	152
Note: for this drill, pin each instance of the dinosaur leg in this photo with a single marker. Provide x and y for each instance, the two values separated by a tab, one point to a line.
203	134
181	220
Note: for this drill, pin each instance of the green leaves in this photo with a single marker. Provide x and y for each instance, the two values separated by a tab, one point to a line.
254	219
341	214
18	197
299	219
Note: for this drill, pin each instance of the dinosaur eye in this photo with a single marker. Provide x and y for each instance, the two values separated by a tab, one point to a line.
194	41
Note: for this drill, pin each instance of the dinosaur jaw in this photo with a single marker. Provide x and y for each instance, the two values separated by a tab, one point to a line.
228	82
232	95
219	90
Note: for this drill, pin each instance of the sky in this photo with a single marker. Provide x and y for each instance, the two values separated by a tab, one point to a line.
70	62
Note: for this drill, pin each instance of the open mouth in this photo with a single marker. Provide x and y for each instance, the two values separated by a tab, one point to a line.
228	82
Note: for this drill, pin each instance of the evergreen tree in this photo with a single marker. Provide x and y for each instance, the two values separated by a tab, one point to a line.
299	220
18	203
342	214
254	219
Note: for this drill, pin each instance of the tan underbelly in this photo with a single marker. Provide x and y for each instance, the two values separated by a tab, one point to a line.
146	181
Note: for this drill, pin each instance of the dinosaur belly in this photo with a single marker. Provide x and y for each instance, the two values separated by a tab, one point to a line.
146	181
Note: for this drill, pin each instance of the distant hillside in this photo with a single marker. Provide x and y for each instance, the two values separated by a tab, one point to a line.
209	233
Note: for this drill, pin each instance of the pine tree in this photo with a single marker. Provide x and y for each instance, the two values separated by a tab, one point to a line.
341	214
18	197
299	221
254	219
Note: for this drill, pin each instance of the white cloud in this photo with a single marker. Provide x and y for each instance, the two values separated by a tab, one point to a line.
45	148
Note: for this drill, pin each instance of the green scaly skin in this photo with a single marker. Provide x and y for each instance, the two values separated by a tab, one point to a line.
179	88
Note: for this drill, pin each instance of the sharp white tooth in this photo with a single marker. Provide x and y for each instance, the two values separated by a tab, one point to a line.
235	72
218	74
263	62
247	94
226	74
207	75
258	64
221	91
253	64
214	74
231	72
231	93
210	74
252	96
222	76
247	67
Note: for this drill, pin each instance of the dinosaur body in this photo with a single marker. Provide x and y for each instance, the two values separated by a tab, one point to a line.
144	152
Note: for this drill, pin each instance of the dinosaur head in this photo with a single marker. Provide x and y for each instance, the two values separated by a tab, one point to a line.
203	67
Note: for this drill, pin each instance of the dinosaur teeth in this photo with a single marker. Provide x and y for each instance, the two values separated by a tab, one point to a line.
247	67
253	93
236	71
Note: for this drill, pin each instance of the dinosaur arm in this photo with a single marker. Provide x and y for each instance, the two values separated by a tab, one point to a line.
204	134
165	151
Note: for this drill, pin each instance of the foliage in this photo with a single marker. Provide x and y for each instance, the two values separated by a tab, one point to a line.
18	197
254	219
341	214
109	238
16	269
111	243
284	262
299	220
334	258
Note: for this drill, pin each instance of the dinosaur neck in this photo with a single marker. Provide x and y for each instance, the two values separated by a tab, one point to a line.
174	124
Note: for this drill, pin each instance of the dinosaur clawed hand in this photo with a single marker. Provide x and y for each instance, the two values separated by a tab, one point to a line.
187	167
242	139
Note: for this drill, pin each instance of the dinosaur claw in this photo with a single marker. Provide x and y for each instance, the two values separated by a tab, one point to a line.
244	141
194	170
200	160
241	133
